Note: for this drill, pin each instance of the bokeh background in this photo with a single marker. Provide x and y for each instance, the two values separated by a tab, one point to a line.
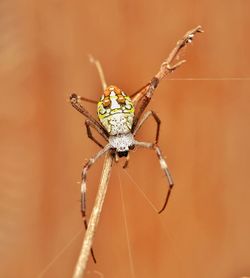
204	108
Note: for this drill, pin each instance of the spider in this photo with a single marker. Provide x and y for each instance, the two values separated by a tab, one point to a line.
120	117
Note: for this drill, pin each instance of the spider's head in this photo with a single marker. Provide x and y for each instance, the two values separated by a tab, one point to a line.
122	143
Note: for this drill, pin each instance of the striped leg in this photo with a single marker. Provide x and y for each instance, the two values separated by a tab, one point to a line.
164	167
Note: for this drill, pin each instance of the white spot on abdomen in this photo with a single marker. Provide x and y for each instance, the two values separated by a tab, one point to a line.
120	123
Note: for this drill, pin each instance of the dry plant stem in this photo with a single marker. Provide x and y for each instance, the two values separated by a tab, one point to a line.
168	66
100	71
94	218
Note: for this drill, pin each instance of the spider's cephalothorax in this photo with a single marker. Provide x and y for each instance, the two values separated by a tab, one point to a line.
116	113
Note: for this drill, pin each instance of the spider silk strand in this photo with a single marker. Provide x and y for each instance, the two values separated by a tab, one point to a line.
131	261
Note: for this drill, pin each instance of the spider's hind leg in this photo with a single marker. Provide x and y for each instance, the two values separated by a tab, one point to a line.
164	167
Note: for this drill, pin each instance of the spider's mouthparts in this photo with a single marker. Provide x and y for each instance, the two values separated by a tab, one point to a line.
121	154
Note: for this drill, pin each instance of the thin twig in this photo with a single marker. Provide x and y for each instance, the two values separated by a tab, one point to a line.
99	69
94	218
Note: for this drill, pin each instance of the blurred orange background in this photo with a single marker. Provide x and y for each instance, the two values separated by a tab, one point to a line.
205	231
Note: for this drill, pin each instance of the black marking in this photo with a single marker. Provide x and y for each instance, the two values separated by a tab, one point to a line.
124	153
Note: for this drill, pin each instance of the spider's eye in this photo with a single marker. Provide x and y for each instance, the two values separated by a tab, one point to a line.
131	147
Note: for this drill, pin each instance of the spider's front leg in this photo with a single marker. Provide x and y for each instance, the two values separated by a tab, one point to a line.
163	165
75	102
89	124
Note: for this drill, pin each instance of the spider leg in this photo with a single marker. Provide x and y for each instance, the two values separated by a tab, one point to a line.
85	169
89	124
144	118
166	67
74	100
88	100
126	162
139	91
164	167
137	96
101	74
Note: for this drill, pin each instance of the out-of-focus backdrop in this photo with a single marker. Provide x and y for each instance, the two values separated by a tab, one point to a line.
204	108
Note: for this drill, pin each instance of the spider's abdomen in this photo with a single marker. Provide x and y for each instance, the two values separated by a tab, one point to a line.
115	111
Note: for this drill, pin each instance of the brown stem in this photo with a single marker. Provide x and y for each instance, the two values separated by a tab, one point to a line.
94	218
